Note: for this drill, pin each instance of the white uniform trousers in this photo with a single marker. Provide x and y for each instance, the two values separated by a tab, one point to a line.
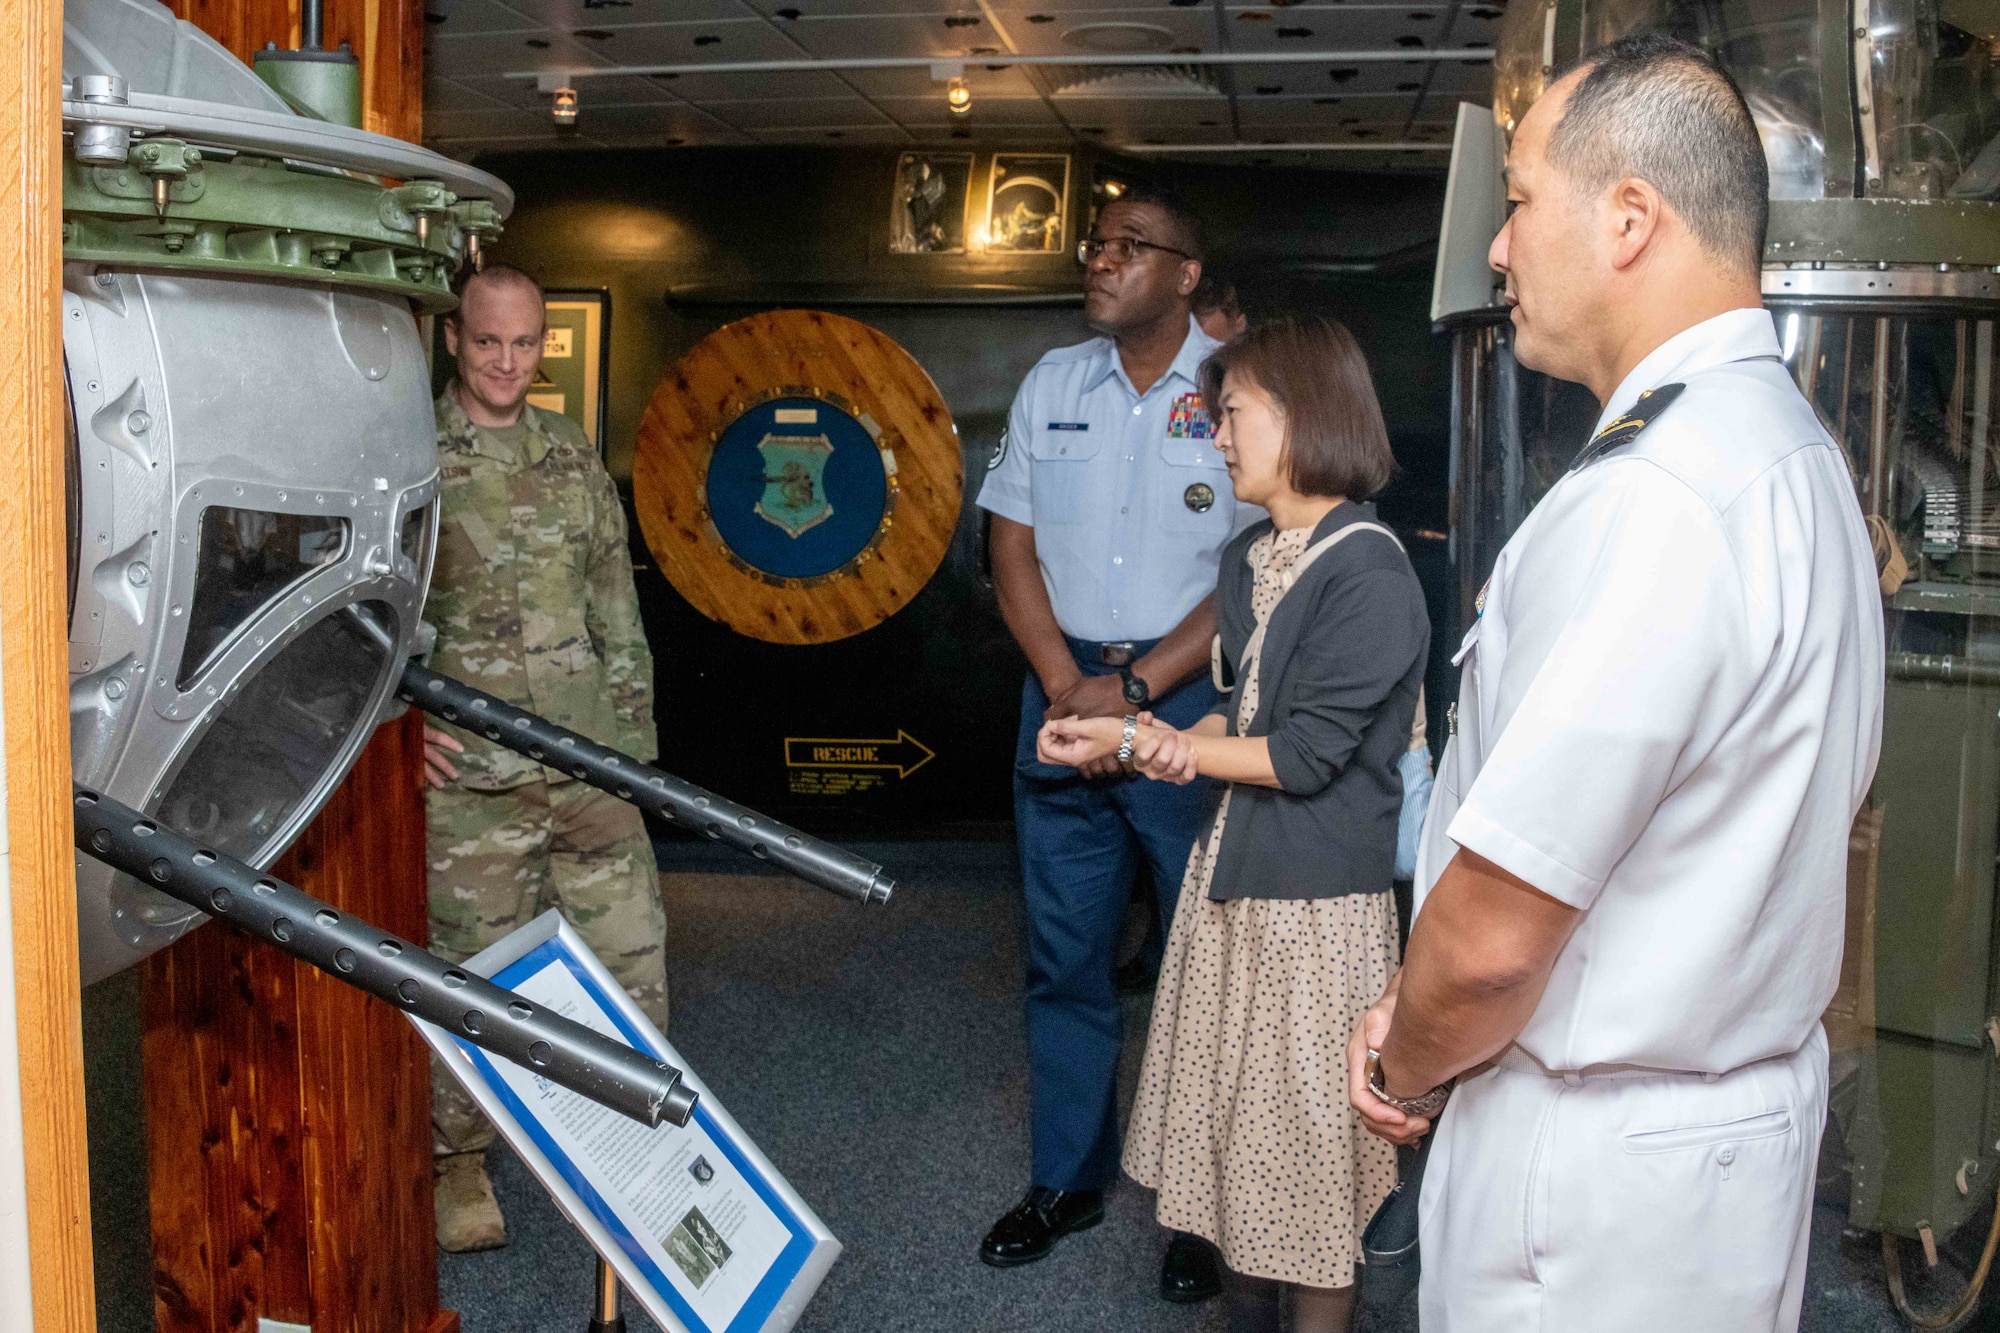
1623	1201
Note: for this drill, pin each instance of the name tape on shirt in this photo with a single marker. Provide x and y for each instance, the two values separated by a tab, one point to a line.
1189	419
1069	425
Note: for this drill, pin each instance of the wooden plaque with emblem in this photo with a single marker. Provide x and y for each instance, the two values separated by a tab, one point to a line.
797	476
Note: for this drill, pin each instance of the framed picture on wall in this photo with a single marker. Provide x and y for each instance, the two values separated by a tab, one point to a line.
575	378
1025	202
927	207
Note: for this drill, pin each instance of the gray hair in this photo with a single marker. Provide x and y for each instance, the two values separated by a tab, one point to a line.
1659	109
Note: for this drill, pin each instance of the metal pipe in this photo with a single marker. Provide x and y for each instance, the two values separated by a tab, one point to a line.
312	25
956	64
608	1318
831	868
1943	667
394	970
1878	426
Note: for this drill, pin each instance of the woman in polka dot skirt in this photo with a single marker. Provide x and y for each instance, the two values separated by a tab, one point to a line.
1286	929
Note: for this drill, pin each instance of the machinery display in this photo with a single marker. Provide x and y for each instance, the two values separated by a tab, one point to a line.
1881	127
253	495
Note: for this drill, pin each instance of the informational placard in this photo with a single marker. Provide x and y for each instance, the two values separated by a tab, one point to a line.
700	1227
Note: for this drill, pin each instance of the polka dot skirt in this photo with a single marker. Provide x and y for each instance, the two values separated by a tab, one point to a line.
1242	1122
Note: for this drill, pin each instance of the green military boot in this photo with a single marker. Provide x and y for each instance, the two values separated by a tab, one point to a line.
468	1216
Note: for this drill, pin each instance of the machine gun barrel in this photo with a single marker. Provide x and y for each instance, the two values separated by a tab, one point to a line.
662	794
352	951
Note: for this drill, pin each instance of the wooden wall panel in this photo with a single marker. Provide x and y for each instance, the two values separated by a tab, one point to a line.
388	36
34	669
288	1116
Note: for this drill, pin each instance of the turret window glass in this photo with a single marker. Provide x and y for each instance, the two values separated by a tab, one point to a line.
248	558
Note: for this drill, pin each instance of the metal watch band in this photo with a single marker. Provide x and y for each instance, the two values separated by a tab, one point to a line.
1125	741
1426	1106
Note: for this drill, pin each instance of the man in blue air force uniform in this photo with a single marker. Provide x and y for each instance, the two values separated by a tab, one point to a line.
1110	509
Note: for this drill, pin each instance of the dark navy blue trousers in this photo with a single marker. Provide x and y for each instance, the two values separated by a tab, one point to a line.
1081	844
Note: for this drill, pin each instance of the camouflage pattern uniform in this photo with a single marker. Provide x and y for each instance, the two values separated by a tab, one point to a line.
532	598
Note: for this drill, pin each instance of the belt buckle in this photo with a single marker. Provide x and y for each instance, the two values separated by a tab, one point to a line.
1118	654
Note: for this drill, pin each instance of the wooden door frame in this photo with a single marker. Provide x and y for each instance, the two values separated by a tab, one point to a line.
34	671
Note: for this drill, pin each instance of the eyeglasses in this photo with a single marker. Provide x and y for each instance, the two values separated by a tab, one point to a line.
1120	248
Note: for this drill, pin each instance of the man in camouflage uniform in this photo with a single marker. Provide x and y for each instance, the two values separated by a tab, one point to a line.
532	598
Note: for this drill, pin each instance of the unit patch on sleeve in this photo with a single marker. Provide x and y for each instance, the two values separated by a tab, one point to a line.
1189	419
999	452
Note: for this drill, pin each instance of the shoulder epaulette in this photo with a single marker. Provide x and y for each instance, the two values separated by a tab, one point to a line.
1627	427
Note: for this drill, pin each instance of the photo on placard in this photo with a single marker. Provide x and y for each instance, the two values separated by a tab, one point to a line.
574	379
927	209
696	1248
1024	203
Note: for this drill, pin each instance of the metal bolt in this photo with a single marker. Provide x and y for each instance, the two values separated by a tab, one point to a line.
138	423
105	280
139	574
114	688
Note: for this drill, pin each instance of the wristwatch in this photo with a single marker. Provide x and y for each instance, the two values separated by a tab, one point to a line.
1137	692
1125	739
1426	1106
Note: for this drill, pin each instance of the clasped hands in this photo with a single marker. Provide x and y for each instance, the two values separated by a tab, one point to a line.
1158	750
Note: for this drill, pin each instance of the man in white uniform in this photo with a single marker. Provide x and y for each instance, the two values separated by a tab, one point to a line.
1670	711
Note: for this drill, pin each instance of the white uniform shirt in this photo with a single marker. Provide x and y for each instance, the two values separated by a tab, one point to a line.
1128	497
1669	713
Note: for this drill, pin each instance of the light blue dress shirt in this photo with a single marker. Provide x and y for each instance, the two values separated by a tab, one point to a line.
1126	492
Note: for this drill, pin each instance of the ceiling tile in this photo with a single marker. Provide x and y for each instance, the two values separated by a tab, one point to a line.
1473	81
462	16
690	43
807	112
655	126
986	112
500	53
859	38
449	95
1123	31
1266	115
590	92
1009	81
743	87
497	122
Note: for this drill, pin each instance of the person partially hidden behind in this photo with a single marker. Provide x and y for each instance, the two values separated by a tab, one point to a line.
1286	928
1632	878
531	594
1110	510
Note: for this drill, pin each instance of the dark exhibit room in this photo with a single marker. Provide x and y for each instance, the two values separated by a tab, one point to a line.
714	678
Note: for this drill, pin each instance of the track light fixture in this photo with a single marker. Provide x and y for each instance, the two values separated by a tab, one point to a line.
958	97
564	108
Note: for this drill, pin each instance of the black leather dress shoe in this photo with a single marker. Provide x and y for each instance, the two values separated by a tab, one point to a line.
1034	1225
1192	1271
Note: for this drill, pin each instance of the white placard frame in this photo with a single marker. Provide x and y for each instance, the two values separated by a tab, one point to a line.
792	1279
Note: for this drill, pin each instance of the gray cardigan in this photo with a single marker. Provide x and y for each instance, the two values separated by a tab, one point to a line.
1343	657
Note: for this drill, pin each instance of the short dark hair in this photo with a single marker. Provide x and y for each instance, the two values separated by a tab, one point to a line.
1175	205
1214	292
504	274
1335	442
1657	108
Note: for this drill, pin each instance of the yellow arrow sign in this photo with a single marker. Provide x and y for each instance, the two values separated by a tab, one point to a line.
905	753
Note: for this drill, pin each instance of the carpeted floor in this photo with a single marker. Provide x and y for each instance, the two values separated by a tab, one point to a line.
875	1054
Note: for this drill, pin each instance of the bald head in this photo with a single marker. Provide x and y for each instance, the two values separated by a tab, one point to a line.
496	335
1661	110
